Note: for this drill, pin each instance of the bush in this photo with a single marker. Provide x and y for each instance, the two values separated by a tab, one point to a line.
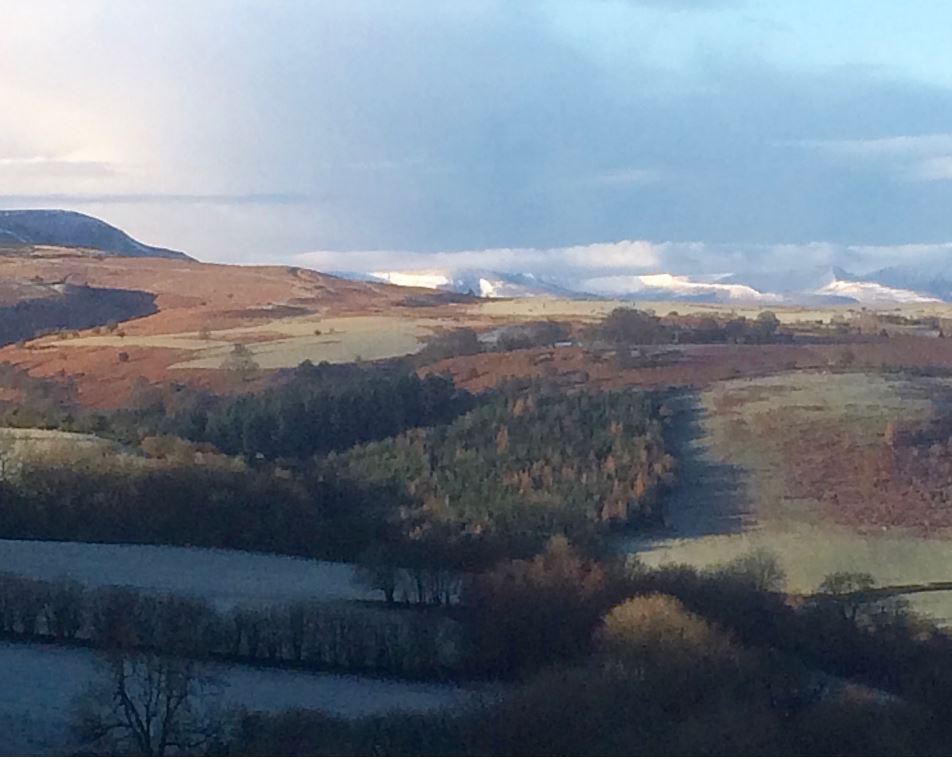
760	569
656	633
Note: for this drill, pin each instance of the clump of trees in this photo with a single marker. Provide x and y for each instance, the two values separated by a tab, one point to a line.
448	344
466	342
240	362
631	326
658	678
306	411
522	467
530	612
200	501
535	334
313	410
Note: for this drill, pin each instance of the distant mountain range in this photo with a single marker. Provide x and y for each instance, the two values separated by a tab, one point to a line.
481	282
919	282
73	230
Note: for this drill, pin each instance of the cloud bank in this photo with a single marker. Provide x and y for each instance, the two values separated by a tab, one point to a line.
248	130
611	267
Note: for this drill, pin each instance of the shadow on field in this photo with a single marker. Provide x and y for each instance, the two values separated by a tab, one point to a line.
708	498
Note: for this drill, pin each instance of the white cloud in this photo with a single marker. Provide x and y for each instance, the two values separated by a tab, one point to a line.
637	255
40	169
933	169
917	158
720	269
901	145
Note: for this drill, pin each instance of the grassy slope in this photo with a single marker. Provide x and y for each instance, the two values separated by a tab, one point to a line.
746	432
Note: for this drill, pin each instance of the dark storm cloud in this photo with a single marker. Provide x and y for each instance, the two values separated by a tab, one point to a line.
430	126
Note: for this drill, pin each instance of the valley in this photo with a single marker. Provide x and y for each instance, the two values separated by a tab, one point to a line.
475	378
345	499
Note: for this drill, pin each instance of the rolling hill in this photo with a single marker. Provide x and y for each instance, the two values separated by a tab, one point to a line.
69	229
105	323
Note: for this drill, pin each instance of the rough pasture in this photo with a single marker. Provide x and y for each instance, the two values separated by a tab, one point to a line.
801	464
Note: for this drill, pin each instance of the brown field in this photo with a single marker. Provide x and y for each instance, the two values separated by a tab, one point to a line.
869	467
693	365
203	309
190	294
829	471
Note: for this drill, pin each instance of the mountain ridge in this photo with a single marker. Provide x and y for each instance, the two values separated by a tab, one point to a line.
71	229
828	285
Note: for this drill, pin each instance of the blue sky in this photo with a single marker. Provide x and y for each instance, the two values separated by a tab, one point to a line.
259	131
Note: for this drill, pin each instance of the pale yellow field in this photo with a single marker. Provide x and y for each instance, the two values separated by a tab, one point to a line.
341	340
286	342
594	310
18	445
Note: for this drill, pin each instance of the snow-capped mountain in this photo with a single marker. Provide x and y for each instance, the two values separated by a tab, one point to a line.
810	286
493	284
931	276
487	284
873	293
678	287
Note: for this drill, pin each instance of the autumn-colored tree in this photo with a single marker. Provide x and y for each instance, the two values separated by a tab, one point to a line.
527	612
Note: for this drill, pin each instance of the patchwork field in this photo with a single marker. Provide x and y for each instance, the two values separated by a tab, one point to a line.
830	472
281	316
695	366
277	344
284	314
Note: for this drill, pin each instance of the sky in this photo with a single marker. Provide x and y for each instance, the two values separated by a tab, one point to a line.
595	135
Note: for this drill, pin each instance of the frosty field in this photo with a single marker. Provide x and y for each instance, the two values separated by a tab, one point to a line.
223	578
40	683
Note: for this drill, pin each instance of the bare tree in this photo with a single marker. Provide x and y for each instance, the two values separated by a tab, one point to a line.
377	569
147	704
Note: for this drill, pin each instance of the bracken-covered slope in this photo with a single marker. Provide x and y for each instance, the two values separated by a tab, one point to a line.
70	229
197	313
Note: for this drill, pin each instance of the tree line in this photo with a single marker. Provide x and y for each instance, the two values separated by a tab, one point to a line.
306	411
343	637
496	482
204	500
632	326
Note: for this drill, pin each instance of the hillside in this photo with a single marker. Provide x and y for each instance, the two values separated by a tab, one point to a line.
70	229
181	311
